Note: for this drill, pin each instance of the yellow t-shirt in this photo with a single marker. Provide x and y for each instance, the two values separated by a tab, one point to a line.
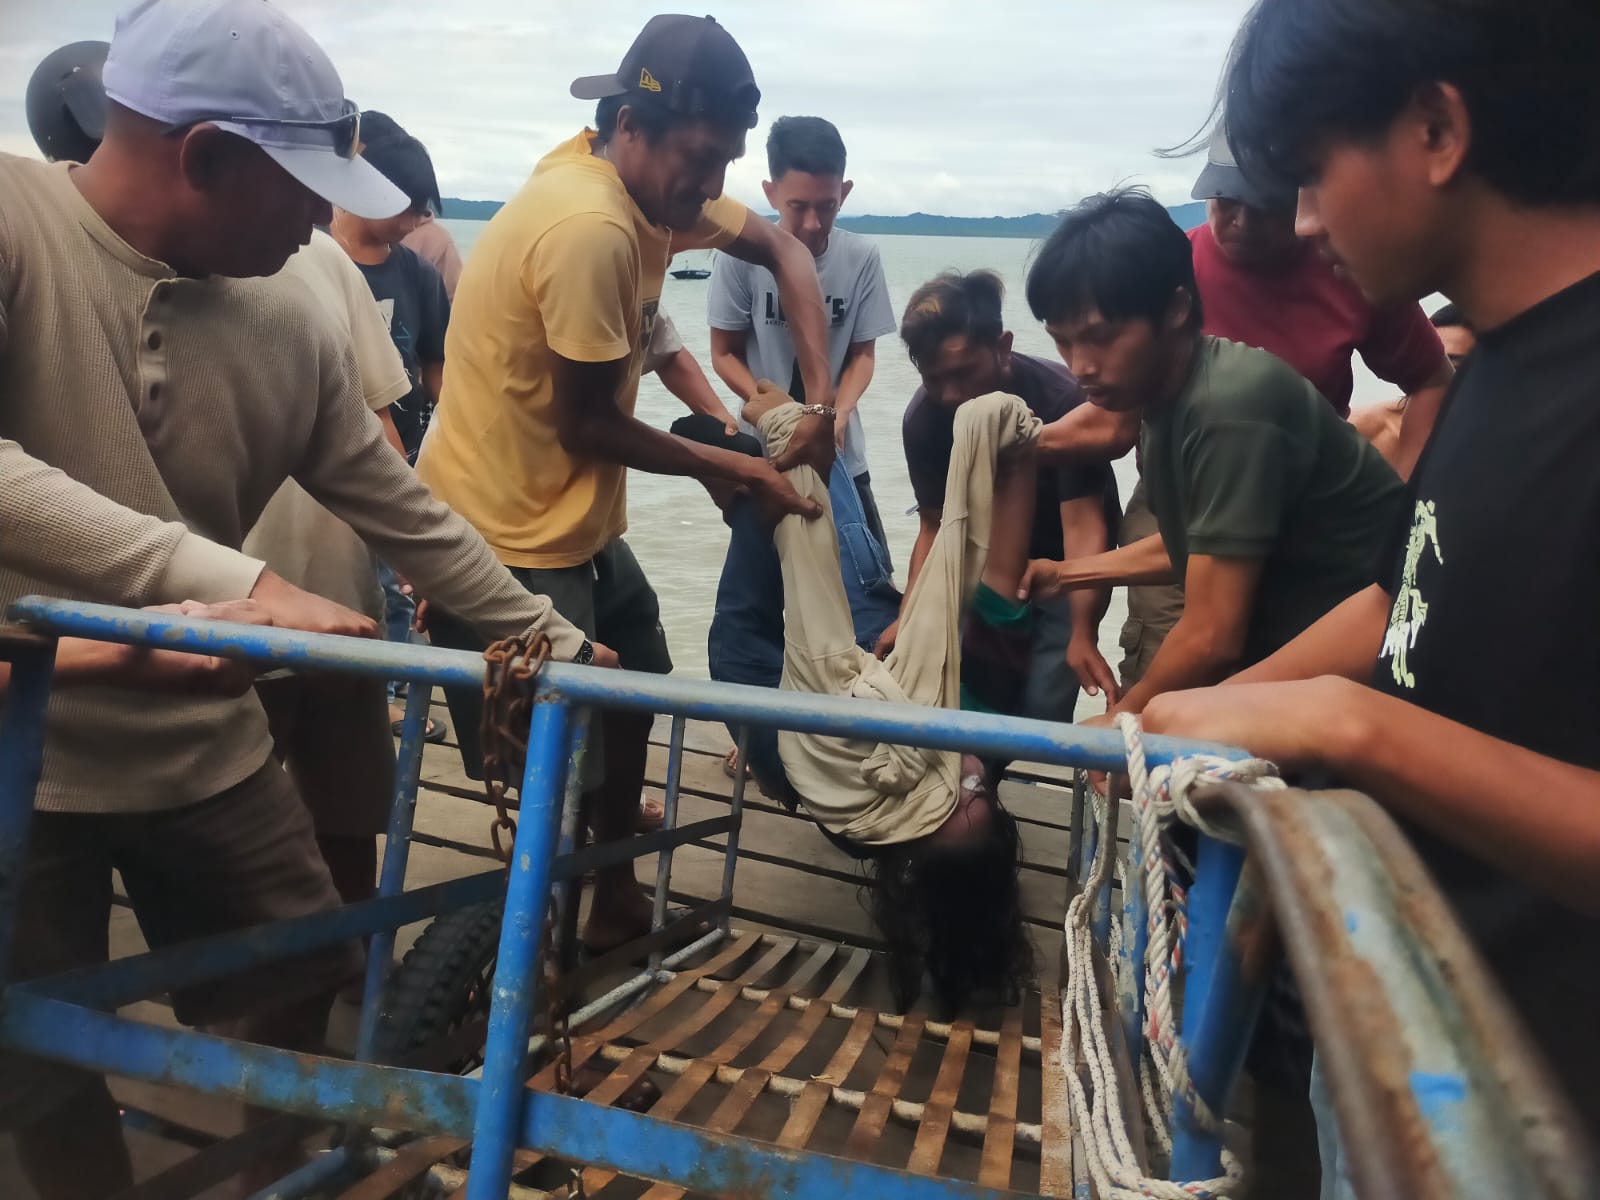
569	267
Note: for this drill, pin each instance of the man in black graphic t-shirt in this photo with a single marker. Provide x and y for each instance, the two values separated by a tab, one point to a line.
1462	690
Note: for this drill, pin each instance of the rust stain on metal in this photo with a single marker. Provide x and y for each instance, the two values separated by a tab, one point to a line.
1345	1000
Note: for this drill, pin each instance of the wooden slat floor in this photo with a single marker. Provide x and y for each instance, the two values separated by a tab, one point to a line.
790	883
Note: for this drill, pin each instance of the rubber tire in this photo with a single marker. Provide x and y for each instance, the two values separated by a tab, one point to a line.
440	984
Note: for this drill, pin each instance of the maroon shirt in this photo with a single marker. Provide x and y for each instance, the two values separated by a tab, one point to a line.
1314	321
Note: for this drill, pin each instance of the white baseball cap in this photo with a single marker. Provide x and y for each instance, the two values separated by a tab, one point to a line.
245	67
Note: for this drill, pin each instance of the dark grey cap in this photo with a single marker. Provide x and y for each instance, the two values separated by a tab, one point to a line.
690	65
66	102
1223	180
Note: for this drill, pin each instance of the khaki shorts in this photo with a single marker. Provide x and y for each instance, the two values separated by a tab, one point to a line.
332	734
244	857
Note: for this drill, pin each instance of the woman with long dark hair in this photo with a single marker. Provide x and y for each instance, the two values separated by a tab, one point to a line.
941	852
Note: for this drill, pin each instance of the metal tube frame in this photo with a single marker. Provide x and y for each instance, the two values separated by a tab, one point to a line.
63	1018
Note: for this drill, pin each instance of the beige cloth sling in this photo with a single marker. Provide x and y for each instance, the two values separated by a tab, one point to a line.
873	793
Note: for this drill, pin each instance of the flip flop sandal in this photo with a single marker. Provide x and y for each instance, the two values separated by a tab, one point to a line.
728	764
652	815
434	731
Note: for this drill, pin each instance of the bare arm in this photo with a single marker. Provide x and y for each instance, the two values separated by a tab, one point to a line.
727	360
590	425
1088	434
764	244
433	381
1421	415
1083	535
1344	643
81	662
928	528
854	379
682	376
1144	561
1533	816
1206	644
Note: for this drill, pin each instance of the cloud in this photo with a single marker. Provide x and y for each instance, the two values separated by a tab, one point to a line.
974	110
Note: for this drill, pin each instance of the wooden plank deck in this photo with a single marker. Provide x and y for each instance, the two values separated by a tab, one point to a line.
790	882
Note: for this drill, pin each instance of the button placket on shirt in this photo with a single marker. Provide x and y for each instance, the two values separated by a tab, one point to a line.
153	336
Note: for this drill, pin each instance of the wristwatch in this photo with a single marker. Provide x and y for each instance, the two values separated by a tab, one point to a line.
585	655
819	410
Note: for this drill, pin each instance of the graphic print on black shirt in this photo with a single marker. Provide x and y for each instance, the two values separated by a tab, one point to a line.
1494	576
411	294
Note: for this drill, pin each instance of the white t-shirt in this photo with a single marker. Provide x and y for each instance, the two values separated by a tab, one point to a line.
296	536
745	297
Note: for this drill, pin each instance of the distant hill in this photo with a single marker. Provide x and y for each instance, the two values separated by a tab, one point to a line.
470	210
1034	225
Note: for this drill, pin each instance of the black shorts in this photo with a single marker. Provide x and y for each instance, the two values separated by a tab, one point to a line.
608	598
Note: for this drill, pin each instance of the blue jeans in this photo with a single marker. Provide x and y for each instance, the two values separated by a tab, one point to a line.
399	612
745	644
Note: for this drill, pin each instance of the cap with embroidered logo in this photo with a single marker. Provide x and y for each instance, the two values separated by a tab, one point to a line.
690	65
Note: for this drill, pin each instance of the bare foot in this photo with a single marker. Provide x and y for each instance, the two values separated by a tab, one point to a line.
617	915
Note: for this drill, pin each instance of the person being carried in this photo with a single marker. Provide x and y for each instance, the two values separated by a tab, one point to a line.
942	851
955	334
536	431
750	334
1270	506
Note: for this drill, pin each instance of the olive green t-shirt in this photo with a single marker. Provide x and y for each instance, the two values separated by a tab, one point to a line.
1249	461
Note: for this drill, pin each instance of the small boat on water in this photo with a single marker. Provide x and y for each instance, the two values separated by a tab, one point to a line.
700	270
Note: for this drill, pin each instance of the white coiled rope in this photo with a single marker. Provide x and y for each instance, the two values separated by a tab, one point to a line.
1160	797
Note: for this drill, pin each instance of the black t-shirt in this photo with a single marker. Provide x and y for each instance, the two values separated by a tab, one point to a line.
1495	575
411	294
1050	392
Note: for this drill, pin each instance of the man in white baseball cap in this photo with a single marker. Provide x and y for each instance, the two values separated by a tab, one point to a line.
160	378
246	68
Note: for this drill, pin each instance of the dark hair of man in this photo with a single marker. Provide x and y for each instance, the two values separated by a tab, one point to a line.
655	119
1120	253
404	162
1302	72
1449	317
952	303
956	913
807	144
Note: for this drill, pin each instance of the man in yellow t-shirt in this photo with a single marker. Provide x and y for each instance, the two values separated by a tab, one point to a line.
535	429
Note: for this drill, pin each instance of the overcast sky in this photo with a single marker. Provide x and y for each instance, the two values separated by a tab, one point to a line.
947	106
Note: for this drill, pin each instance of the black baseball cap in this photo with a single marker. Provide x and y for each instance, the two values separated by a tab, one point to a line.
689	65
66	102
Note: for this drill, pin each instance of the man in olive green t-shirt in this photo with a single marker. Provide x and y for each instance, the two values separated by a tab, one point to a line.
1271	509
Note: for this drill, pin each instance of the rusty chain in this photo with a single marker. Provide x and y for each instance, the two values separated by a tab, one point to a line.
508	700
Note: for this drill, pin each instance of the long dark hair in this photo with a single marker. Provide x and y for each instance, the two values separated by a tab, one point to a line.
956	911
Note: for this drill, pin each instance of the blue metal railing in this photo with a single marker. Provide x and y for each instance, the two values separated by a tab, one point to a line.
1225	959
